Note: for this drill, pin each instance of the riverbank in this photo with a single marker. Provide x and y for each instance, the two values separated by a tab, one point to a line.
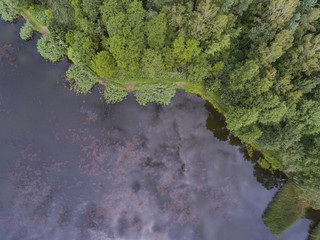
180	82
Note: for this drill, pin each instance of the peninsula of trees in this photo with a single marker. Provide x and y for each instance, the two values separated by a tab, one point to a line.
257	60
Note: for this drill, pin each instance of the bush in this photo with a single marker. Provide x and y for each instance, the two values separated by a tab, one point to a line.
26	31
104	64
83	78
315	234
159	93
51	48
114	93
39	14
8	14
62	10
285	209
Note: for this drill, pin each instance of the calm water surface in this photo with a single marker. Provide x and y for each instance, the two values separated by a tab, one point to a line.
73	167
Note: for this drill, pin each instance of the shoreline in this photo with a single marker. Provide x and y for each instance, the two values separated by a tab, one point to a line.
194	88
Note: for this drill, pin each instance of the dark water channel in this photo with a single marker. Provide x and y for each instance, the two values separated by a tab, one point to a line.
73	167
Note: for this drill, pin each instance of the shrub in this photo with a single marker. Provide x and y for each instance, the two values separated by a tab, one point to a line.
83	78
315	234
51	48
284	210
104	64
152	63
26	31
114	93
8	14
62	10
159	93
39	14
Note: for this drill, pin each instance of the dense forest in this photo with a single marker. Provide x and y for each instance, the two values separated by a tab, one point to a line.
258	58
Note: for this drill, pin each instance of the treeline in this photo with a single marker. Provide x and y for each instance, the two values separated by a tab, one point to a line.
260	57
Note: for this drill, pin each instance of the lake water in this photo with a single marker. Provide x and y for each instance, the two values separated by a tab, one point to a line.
73	167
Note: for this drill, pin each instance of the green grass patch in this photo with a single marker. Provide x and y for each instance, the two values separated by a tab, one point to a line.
140	79
285	209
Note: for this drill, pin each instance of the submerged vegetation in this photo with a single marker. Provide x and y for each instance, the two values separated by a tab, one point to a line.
285	209
257	60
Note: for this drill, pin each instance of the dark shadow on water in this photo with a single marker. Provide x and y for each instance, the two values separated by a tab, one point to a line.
217	125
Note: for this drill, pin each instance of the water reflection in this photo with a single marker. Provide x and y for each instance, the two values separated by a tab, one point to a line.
72	167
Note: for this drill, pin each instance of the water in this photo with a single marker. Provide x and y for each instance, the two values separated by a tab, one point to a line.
73	167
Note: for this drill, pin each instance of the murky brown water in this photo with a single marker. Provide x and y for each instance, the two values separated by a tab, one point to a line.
73	167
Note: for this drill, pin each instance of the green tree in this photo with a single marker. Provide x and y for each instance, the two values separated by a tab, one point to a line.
104	64
156	30
91	8
240	117
152	63
200	69
82	49
306	56
279	12
125	23
207	22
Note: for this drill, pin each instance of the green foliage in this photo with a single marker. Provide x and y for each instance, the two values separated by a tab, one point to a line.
26	31
278	13
39	14
199	69
124	23
91	8
114	93
51	48
61	10
83	49
8	11
156	30
158	93
82	77
273	160
241	117
152	63
185	51
104	64
315	234
284	210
